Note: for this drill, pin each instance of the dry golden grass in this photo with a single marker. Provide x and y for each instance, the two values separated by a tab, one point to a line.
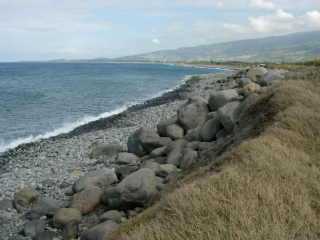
269	186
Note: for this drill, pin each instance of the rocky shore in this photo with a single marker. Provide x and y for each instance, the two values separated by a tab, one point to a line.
85	183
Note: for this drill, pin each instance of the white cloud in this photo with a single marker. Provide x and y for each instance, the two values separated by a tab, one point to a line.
156	41
264	4
314	17
236	28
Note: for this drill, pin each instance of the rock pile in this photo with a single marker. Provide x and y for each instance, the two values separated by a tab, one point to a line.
153	158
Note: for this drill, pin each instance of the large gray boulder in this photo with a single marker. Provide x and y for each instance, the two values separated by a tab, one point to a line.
193	134
228	115
257	73
135	190
210	129
65	216
193	113
100	178
103	231
220	98
174	132
189	158
24	198
127	159
144	141
162	125
87	200
176	152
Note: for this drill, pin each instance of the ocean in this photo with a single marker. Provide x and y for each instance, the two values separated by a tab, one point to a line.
42	100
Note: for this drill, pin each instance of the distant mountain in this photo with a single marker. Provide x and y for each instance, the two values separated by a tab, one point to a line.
292	47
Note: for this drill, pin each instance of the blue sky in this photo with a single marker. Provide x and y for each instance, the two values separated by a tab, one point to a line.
73	29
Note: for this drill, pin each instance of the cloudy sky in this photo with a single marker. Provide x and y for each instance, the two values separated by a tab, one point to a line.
73	29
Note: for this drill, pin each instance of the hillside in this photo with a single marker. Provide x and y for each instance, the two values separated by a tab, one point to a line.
266	187
292	48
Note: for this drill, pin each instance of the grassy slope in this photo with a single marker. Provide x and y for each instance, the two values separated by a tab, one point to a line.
268	186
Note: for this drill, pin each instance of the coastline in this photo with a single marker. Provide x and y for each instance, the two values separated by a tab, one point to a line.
52	165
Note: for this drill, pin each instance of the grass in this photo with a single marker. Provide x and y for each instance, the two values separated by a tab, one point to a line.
268	187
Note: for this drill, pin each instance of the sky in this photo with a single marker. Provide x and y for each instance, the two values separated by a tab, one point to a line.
83	29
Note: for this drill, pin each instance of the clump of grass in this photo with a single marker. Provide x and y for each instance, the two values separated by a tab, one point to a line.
269	186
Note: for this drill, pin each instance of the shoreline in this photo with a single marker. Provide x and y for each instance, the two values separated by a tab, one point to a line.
100	121
51	166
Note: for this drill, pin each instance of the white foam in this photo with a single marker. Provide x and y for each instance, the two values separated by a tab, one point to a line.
65	128
68	127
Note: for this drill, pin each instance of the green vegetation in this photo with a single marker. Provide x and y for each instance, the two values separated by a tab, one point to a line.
268	187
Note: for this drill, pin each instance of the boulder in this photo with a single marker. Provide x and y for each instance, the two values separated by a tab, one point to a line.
193	134
210	129
220	98
24	198
166	169
135	190
175	153
65	216
103	231
162	125
144	141
32	228
174	132
87	200
200	146
159	152
271	77
112	215
250	88
228	115
193	113
123	171
43	207
127	159
150	164
190	157
109	151
257	73
101	178
212	115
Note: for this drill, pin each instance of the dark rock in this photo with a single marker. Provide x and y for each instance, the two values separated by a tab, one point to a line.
100	178
70	231
228	115
193	134
175	153
43	207
190	157
144	141
210	129
103	231
87	200
135	190
193	113
123	171
64	216
221	98
162	126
